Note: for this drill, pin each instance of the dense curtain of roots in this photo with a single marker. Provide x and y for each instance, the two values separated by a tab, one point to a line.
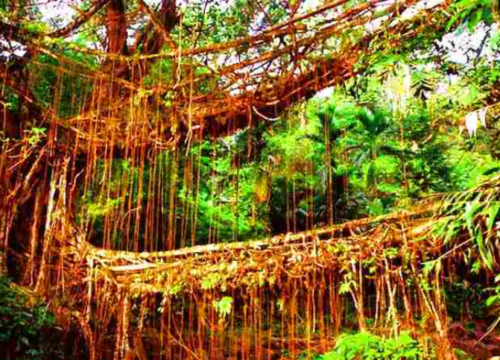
111	239
138	292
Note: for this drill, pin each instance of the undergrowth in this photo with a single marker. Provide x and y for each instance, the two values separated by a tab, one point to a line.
368	346
27	328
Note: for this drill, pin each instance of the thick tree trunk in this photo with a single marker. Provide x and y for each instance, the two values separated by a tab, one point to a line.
116	24
10	124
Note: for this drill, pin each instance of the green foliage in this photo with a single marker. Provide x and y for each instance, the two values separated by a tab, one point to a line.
368	346
494	299
477	212
35	135
470	13
465	300
468	168
239	18
176	289
211	281
96	210
226	200
380	148
51	88
35	27
27	329
223	306
462	355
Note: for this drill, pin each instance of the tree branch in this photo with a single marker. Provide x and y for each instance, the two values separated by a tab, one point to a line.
80	19
160	27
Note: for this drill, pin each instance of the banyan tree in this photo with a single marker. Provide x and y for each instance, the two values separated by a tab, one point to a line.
102	113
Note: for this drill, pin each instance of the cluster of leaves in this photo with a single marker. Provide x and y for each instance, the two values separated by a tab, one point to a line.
381	152
472	217
365	345
225	199
477	212
471	12
27	328
223	306
493	302
466	300
495	298
239	19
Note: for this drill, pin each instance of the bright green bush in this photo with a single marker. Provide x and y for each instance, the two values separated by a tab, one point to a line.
368	346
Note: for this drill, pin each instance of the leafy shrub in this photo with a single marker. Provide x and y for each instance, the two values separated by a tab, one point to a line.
465	299
368	346
26	326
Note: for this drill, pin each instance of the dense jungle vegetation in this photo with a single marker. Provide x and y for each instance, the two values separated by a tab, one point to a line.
249	179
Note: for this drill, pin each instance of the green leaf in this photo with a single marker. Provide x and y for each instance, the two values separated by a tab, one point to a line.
475	20
224	305
492	300
485	254
492	214
470	212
